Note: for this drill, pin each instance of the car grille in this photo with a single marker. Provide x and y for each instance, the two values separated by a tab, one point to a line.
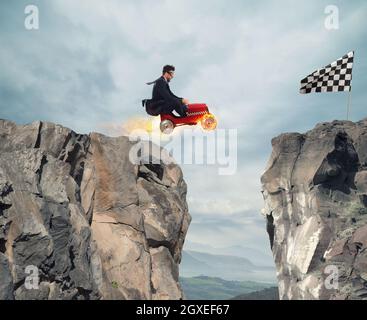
196	113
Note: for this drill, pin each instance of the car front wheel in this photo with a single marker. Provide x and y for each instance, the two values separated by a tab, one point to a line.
208	122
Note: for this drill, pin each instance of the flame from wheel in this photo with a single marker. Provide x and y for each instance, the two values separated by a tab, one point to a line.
209	122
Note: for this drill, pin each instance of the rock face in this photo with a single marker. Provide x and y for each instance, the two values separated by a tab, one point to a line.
79	220
315	191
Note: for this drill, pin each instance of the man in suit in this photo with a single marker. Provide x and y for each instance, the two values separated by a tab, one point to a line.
163	100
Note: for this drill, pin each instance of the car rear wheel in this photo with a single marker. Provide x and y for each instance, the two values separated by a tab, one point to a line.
167	126
208	122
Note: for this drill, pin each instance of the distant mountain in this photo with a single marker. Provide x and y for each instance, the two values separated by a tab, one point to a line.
212	288
256	256
192	263
264	294
227	267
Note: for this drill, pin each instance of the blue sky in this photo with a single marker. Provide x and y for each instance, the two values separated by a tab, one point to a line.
86	66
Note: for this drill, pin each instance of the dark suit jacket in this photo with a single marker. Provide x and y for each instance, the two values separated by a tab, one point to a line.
163	100
162	91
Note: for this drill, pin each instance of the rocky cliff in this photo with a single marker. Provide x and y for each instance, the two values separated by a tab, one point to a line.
315	191
78	220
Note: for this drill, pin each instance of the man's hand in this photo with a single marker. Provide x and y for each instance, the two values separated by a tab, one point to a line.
185	101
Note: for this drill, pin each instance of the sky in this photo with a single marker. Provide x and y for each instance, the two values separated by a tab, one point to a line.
86	67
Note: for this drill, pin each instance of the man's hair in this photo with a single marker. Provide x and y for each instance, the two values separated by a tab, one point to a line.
168	68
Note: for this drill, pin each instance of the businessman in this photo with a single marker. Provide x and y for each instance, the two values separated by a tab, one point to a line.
163	100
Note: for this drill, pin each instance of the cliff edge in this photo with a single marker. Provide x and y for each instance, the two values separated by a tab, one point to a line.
78	220
315	192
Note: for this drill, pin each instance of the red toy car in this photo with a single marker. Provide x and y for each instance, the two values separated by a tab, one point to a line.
196	112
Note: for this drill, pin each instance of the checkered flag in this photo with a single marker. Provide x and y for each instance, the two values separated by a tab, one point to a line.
335	77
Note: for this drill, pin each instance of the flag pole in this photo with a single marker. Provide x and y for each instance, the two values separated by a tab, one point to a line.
349	99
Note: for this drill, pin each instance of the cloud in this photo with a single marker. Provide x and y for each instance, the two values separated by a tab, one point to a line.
87	66
240	228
